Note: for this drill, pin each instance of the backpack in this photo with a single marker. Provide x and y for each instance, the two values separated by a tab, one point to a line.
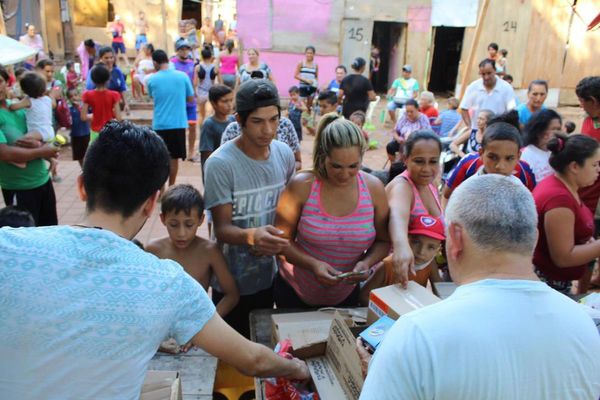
62	114
202	73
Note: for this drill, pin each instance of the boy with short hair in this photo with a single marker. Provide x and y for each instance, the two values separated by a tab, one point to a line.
73	77
221	100
80	128
295	109
327	102
182	209
425	234
500	153
104	102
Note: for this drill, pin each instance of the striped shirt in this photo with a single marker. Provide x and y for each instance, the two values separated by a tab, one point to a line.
338	241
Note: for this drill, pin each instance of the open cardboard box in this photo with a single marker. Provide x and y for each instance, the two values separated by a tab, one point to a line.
395	301
161	385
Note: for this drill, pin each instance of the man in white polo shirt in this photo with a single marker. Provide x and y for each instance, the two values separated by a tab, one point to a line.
486	93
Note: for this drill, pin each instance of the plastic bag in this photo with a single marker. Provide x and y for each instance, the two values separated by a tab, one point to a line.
284	389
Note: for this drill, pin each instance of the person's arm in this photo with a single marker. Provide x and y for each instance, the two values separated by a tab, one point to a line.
372	95
381	247
558	226
465	116
117	111
400	199
251	359
15	154
289	210
122	91
340	96
226	282
297	74
18	105
84	112
189	91
456	144
298	159
265	240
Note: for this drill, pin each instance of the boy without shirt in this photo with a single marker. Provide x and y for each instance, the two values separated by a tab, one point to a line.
182	209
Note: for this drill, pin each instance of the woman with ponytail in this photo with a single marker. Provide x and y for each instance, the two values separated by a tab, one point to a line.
356	91
565	224
336	219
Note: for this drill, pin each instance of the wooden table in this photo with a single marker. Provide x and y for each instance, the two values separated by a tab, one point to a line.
197	370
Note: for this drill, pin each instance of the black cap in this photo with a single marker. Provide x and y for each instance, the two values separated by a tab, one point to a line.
256	93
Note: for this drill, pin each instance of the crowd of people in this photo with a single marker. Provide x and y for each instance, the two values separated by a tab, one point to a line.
512	223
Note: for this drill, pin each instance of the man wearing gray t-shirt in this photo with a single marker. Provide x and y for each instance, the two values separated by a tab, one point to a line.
244	179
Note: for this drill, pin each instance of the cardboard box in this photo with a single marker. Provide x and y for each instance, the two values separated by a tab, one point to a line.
336	373
161	385
394	301
374	334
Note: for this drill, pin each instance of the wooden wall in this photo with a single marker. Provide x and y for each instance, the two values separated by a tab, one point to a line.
54	38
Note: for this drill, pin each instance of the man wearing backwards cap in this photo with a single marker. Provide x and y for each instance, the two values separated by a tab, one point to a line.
502	334
243	181
117	29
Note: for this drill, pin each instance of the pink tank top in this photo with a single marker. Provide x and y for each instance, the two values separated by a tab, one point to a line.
228	63
338	241
418	207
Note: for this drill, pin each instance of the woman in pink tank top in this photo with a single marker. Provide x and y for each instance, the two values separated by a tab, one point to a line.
336	219
413	194
228	64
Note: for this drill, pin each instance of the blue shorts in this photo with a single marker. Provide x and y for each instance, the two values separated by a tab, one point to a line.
140	40
393	105
192	114
118	47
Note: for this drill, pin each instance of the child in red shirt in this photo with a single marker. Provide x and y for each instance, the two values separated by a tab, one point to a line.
72	76
103	102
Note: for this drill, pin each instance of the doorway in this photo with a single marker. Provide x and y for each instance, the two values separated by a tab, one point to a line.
386	38
192	9
446	57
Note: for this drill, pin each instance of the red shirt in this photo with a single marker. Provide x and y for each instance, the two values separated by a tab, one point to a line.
430	112
549	194
102	103
590	194
118	29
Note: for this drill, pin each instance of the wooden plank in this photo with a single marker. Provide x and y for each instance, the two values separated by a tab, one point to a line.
197	370
474	45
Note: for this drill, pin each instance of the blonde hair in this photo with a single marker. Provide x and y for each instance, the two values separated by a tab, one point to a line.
254	50
335	132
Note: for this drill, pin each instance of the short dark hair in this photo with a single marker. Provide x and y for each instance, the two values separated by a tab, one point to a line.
182	197
412	102
358	63
206	52
328	96
20	71
540	82
126	165
44	63
538	124
294	89
216	92
4	74
33	85
360	114
504	52
508	77
89	43
100	74
417	136
16	217
245	114
493	46
566	149
501	131
588	88
510	117
342	67
487	61
69	64
160	57
310	47
570	126
104	50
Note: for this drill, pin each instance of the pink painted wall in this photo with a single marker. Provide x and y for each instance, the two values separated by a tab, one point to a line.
284	65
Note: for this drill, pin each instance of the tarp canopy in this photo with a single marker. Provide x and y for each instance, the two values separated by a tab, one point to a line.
13	51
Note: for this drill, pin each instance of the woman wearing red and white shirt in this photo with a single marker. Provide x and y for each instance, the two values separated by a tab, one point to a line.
566	225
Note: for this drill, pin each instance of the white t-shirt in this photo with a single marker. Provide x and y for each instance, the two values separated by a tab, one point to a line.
499	100
492	339
39	117
538	161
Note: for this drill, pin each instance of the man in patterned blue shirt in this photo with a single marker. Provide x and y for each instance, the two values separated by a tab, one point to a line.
83	309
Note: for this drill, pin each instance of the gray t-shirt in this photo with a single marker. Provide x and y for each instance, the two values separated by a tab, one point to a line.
253	188
211	132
